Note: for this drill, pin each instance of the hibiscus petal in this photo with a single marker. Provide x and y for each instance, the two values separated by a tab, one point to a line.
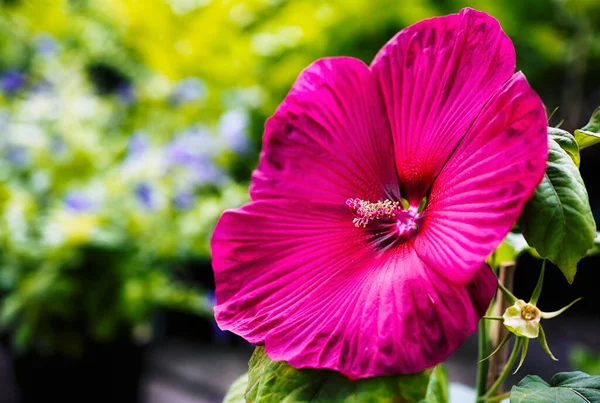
436	76
329	140
310	288
482	189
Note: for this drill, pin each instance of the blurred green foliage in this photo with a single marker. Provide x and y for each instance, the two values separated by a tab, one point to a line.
585	359
128	126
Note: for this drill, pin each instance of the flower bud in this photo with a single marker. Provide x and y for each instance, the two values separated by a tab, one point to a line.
523	319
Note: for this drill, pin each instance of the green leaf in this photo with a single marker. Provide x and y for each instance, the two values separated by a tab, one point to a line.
499	346
237	390
565	387
586	139
557	221
589	134
437	389
509	250
550	315
544	343
275	382
567	142
596	248
524	349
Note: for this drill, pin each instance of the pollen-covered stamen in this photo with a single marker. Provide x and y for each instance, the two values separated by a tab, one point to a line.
389	220
366	211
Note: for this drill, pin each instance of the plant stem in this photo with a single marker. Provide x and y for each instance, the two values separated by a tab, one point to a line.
482	366
498	331
498	398
509	364
493	317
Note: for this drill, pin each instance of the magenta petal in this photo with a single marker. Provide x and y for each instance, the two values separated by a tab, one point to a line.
435	77
304	283
482	189
329	140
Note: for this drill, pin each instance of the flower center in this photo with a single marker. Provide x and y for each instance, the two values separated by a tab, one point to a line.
389	221
530	312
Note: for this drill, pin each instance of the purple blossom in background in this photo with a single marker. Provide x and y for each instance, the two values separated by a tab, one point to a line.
201	167
12	81
179	152
57	145
188	90
46	45
183	200
126	94
197	140
194	149
77	202
232	126
17	155
145	195
138	144
205	172
42	86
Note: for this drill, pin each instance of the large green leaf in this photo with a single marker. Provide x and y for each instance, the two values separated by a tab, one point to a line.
557	221
567	142
565	387
237	390
589	134
437	389
276	382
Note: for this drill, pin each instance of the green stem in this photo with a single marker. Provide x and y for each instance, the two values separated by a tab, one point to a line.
493	317
498	398
482	364
535	296
507	294
509	364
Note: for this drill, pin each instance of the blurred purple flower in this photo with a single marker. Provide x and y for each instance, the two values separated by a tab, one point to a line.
77	202
205	172
179	153
126	94
12	81
232	126
46	45
138	144
188	90
193	149
57	145
202	168
183	200
145	195
16	155
42	86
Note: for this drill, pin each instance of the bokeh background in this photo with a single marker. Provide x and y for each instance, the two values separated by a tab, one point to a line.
128	126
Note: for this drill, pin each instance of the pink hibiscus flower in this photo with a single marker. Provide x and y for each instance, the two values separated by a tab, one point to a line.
379	194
